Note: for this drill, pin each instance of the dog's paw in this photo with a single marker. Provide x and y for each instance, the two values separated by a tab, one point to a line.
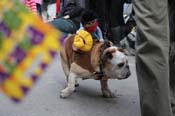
108	94
77	85
65	93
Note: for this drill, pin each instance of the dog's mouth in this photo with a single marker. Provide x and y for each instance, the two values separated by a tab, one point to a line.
119	74
126	72
124	76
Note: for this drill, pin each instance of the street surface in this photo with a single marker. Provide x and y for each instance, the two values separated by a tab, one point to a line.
44	100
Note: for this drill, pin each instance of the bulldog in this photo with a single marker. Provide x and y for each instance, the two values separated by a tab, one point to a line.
104	61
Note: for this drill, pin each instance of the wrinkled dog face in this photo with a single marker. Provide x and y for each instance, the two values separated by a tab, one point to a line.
117	64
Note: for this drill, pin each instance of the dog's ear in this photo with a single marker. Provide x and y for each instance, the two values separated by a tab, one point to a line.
110	43
108	53
123	51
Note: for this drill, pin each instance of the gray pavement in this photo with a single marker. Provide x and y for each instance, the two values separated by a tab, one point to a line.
44	98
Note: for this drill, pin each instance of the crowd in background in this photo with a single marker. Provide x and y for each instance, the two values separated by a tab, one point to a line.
115	18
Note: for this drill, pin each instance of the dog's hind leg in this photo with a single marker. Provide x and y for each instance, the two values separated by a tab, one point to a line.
76	83
105	89
65	63
71	86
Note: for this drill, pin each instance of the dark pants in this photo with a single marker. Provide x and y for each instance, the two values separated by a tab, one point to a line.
172	52
152	57
39	10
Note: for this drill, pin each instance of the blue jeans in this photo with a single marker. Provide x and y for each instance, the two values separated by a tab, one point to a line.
64	25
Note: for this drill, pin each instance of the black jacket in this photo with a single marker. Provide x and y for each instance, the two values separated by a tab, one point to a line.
110	13
74	13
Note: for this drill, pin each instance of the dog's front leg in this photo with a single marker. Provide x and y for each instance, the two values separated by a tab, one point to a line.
71	86
105	89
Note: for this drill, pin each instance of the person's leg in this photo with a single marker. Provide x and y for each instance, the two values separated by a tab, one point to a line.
152	57
58	7
116	35
38	6
119	32
64	25
172	52
172	76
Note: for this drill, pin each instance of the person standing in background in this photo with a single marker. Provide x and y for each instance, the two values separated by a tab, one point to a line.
172	52
152	58
79	3
68	21
58	7
31	5
111	19
38	6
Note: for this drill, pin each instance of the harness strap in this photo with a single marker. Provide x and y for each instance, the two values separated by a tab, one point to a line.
101	74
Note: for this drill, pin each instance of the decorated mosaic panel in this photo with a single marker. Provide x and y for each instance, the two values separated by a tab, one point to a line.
27	47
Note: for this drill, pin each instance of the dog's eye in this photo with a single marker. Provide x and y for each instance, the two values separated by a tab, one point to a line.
121	65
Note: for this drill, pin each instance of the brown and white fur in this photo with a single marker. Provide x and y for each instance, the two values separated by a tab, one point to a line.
85	65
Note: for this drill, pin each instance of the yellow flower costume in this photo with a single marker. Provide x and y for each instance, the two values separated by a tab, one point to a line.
83	41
